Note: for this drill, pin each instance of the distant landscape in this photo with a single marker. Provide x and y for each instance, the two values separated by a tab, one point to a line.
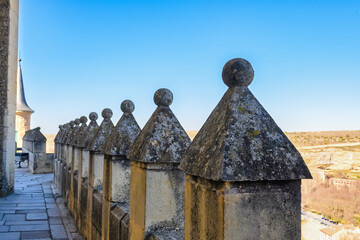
333	158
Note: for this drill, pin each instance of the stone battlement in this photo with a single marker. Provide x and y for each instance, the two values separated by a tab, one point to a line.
239	178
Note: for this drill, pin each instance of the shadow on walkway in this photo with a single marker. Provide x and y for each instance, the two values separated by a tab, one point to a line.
34	210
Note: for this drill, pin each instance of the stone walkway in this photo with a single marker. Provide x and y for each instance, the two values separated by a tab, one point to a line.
35	210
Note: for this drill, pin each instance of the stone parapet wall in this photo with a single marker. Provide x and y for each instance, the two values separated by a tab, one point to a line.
239	178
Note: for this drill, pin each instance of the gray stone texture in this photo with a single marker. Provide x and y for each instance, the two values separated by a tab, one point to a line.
89	131
241	142
97	210
34	143
124	133
103	132
119	224
162	139
74	132
78	137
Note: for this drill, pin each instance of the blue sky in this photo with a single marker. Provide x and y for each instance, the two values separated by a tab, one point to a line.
82	56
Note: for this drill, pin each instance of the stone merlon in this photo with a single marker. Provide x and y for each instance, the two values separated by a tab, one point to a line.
163	139
103	132
65	129
240	141
80	132
58	135
124	133
90	131
74	132
68	132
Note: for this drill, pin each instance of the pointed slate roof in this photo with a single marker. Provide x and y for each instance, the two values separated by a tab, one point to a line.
124	133
89	131
103	132
163	139
21	104
240	141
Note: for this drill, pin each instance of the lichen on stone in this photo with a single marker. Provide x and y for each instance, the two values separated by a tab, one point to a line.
97	143
241	142
122	136
162	139
88	135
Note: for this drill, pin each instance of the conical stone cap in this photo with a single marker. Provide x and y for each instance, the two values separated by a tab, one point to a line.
74	132
240	141
124	133
64	132
103	132
80	133
89	132
68	132
58	135
163	139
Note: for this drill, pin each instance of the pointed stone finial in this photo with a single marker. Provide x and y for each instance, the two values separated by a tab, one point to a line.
107	114
93	117
163	97
77	121
58	135
238	72
89	131
162	139
127	106
56	139
103	132
124	133
83	120
67	134
240	141
74	132
81	131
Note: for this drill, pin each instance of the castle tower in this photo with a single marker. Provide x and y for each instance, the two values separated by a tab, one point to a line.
23	111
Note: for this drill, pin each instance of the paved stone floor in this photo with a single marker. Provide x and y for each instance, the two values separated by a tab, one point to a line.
35	210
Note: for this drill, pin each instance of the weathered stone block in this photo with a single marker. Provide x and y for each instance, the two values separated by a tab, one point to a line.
268	209
96	169
119	224
97	210
76	197
68	188
159	196
117	178
82	223
95	234
39	147
85	156
63	179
